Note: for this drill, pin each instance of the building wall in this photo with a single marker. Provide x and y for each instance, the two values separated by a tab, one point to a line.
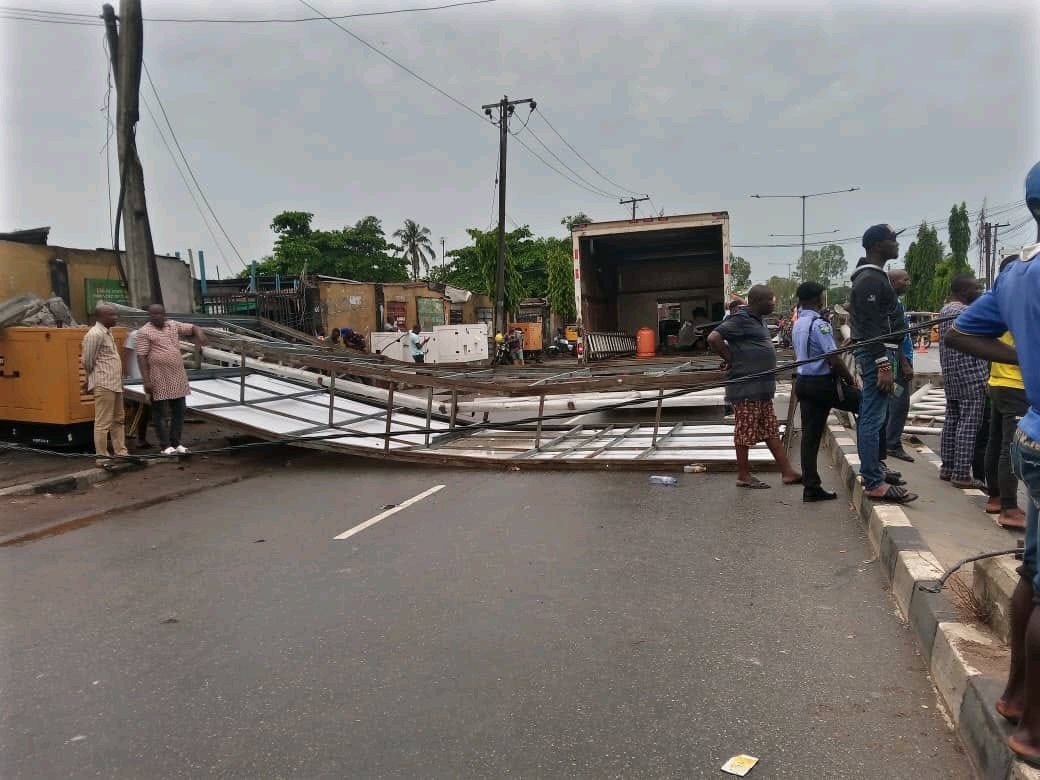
24	268
349	304
407	293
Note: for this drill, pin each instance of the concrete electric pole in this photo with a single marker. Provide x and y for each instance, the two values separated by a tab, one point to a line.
126	48
505	107
633	202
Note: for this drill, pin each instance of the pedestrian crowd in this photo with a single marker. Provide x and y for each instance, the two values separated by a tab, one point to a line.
989	351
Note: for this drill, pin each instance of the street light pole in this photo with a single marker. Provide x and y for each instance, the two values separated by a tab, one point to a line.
803	198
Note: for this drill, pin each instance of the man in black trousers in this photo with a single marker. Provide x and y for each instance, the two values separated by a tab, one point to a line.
820	386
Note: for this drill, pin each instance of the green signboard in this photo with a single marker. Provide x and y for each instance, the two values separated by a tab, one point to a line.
107	290
431	312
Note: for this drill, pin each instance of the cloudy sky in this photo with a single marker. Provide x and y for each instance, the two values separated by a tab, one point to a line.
700	104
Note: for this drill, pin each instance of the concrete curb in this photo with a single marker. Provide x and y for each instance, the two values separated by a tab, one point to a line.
63	483
78	521
945	641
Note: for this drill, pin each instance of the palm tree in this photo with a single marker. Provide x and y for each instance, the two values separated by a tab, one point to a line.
416	245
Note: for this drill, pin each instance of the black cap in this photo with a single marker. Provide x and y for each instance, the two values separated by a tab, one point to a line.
877	233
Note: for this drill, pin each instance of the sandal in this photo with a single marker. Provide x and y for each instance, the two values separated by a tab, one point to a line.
753	484
970	484
894	478
796	481
894	495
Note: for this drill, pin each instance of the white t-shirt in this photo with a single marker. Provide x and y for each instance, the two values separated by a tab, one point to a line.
131	344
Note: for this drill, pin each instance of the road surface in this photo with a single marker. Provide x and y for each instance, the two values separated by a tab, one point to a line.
522	624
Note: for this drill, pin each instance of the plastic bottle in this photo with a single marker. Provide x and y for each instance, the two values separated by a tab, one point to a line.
660	480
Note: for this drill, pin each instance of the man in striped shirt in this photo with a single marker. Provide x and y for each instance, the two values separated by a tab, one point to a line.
104	371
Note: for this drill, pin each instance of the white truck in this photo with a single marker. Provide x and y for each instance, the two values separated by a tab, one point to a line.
655	273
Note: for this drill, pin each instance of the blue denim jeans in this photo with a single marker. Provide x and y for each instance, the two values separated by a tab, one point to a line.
870	427
1025	462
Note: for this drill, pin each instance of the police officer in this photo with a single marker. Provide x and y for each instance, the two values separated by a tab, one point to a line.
820	386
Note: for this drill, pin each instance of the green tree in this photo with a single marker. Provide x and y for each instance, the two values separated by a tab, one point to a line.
785	291
581	218
960	236
416	246
474	267
825	265
359	252
838	295
560	272
739	273
922	261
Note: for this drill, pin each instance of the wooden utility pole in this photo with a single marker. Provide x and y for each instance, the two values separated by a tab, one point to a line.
633	202
505	107
126	48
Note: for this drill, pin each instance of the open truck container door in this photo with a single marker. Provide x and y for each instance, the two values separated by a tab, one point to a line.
631	274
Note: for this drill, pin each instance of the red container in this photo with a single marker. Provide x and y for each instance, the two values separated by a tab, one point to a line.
645	343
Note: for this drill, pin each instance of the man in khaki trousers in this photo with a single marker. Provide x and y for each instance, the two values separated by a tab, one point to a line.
104	371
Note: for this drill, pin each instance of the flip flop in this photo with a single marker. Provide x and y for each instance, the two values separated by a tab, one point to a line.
797	481
894	495
894	478
753	484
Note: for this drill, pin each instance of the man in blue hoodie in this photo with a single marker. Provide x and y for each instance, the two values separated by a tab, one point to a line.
874	318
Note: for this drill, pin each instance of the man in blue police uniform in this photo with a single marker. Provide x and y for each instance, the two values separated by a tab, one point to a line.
820	386
1013	304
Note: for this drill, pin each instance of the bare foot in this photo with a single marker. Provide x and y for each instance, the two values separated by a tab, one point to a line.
1023	746
1012	519
1009	711
792	478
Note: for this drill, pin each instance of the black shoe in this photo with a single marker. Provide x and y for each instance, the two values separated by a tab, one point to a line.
894	478
809	495
902	455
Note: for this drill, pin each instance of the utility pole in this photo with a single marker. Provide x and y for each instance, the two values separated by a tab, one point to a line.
984	271
126	48
993	263
633	201
803	199
505	107
442	251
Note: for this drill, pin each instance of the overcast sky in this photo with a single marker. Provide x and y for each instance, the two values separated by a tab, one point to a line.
699	104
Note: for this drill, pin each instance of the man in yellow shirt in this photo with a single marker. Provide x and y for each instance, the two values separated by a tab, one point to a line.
1008	404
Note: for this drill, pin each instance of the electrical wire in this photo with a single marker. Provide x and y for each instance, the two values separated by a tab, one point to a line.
557	171
72	16
399	64
556	157
187	165
42	20
184	179
579	155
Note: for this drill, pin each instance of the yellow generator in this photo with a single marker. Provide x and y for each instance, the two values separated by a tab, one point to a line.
41	386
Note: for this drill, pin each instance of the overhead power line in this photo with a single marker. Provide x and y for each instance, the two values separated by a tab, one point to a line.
579	155
399	64
187	186
80	18
589	185
46	20
191	172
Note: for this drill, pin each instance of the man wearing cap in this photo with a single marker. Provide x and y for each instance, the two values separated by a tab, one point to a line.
1013	305
874	317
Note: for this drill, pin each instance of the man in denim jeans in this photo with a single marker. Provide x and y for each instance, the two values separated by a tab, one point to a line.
1013	305
875	317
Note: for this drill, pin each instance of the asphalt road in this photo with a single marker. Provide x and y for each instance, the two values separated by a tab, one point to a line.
534	625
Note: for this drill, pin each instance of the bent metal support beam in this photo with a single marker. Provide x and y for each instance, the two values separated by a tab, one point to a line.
278	408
